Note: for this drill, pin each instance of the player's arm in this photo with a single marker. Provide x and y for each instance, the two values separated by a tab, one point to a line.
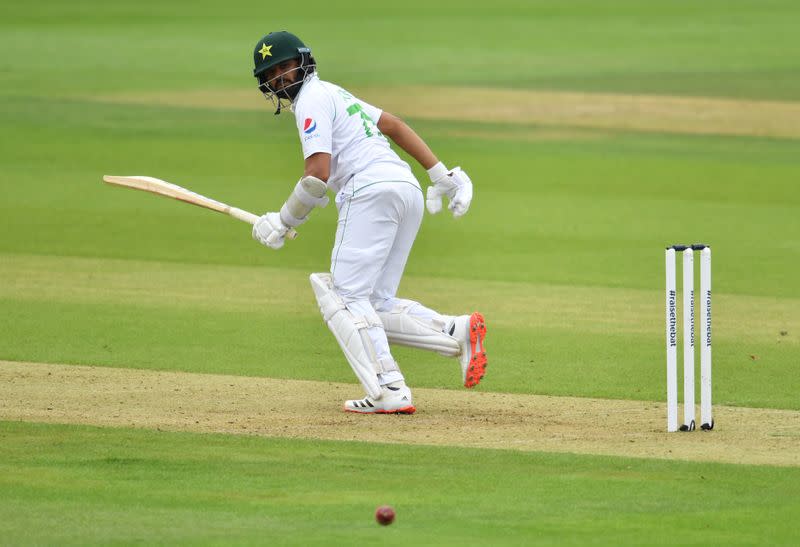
453	183
318	165
407	139
308	193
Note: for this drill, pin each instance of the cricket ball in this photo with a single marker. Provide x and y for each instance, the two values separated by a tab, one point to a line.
384	515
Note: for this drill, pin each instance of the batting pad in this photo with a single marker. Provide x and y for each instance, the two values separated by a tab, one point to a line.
351	332
417	331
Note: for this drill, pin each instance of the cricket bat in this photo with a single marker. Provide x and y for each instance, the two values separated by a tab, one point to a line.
164	188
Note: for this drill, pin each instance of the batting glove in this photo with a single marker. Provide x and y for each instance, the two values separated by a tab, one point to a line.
455	184
269	230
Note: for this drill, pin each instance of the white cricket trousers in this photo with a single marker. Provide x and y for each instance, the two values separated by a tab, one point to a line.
378	222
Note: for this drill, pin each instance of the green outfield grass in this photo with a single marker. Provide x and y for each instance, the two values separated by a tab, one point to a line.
562	249
127	486
742	48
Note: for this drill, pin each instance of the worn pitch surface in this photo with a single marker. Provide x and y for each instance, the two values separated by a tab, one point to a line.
283	408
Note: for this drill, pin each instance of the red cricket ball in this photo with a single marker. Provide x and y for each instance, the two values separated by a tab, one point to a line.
384	515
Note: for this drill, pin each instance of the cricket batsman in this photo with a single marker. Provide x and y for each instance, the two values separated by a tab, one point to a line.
380	204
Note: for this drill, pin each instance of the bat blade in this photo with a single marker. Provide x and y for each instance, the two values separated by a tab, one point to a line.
164	188
167	189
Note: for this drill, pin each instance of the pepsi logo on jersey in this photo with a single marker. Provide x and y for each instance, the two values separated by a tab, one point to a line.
309	125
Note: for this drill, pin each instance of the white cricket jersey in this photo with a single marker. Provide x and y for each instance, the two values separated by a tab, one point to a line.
332	120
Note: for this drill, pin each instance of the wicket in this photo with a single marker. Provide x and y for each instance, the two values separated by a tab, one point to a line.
706	419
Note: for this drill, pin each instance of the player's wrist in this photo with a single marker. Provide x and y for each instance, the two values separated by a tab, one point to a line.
437	172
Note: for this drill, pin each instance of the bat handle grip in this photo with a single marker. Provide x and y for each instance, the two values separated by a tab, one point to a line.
250	218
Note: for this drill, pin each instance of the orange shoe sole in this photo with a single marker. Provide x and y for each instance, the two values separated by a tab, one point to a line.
477	363
404	410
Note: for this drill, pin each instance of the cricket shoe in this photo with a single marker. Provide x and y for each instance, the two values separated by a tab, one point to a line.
394	399
470	331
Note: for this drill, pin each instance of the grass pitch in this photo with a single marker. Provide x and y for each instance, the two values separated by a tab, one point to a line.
571	216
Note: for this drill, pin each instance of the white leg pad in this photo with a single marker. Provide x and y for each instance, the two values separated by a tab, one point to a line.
351	332
405	329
